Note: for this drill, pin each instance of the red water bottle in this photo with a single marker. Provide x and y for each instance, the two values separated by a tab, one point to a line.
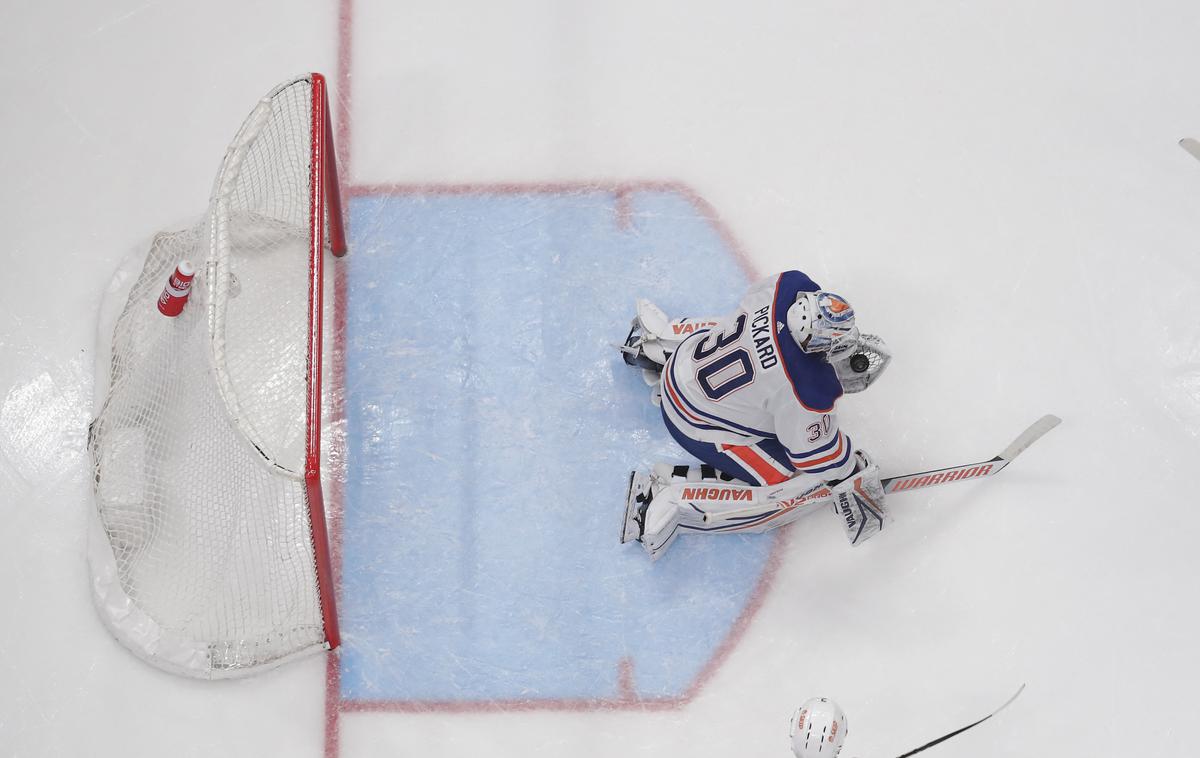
174	296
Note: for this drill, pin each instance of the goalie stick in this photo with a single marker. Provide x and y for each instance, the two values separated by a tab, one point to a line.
913	481
945	737
974	470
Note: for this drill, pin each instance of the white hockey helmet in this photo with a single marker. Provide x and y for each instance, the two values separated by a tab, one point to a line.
818	729
822	322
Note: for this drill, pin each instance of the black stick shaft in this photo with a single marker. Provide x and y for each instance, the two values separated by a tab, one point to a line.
945	737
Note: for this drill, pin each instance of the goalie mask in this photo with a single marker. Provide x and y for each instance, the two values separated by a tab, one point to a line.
822	322
818	729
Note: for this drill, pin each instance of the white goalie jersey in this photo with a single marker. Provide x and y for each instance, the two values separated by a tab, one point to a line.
745	381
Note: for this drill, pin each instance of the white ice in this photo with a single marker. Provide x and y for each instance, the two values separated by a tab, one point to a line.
997	183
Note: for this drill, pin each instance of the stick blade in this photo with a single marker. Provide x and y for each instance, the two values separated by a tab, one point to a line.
1030	436
1008	702
1192	146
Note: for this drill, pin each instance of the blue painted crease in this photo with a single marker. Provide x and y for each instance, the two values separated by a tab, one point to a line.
492	428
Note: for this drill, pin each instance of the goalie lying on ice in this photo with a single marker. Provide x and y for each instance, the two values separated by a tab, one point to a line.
753	396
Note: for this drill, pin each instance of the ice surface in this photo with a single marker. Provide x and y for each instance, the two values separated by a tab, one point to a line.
995	186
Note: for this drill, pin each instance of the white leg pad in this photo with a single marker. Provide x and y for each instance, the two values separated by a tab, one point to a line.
714	506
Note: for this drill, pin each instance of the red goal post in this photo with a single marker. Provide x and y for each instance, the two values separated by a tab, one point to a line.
208	544
326	196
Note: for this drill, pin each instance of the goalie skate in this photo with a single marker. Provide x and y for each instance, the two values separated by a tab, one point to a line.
643	346
637	499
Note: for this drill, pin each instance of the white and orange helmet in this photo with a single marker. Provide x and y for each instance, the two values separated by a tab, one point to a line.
822	322
818	729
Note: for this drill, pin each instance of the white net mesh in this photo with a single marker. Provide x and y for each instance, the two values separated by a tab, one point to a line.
207	562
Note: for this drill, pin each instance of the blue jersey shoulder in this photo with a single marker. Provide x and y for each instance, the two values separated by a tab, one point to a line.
813	380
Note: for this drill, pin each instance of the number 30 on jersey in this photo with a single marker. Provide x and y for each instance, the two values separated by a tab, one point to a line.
731	369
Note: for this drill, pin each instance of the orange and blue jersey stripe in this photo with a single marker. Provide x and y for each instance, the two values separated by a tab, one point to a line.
833	454
762	462
756	460
694	416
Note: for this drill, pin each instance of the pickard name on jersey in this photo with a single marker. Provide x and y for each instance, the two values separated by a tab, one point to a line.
760	334
744	380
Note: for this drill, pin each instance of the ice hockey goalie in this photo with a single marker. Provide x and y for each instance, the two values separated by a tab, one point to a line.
753	396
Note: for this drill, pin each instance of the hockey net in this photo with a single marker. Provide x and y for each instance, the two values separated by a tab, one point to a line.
209	553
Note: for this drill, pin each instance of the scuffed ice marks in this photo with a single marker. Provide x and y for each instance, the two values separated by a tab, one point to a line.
490	424
43	425
1178	342
1181	385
